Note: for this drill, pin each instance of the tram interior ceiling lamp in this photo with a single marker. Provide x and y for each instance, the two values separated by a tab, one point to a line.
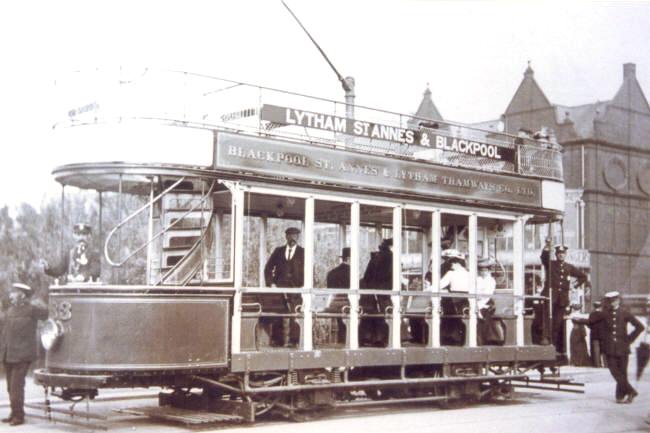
51	333
279	210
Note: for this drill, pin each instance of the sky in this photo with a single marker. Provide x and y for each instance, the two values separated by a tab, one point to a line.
472	54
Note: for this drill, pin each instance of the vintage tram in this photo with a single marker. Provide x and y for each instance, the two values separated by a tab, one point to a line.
238	164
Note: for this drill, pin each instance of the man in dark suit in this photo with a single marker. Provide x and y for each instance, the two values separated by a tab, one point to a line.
558	284
595	335
616	342
80	264
339	277
285	269
18	344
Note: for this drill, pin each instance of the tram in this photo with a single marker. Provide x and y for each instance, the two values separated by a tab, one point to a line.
223	169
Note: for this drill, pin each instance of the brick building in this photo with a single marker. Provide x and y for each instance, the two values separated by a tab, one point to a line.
607	173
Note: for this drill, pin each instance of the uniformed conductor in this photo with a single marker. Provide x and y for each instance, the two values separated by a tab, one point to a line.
616	341
285	269
558	274
18	344
80	264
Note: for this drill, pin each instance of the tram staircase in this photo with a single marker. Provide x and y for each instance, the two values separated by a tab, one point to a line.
187	239
180	249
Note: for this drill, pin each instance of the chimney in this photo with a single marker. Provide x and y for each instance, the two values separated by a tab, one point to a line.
629	71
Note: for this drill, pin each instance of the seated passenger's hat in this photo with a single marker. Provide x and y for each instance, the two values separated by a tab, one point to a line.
345	253
561	248
292	231
452	254
611	295
81	229
484	263
23	287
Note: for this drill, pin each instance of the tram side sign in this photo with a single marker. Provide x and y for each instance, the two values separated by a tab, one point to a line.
425	137
291	160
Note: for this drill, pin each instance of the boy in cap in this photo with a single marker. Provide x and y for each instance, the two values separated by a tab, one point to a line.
285	269
80	264
18	344
615	341
557	284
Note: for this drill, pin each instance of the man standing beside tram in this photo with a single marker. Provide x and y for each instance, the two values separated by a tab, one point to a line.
285	269
558	286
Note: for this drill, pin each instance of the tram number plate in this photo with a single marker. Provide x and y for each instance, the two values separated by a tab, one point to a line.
61	310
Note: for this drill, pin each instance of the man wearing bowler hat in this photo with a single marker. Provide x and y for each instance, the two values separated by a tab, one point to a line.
80	264
558	285
616	341
285	269
339	277
18	344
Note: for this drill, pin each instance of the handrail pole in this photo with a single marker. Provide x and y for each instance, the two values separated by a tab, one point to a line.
150	232
119	216
129	218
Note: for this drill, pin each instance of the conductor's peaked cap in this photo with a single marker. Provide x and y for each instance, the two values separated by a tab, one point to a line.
292	231
561	249
612	295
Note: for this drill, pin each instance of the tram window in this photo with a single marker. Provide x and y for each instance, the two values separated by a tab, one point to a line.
455	281
266	221
331	271
376	270
331	235
220	257
415	259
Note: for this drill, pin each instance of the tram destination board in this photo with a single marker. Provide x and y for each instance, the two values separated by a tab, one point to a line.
339	167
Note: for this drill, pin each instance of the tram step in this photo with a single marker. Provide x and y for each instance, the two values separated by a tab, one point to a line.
184	416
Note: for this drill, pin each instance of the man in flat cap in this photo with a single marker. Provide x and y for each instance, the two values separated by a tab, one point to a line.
80	264
18	344
285	269
615	341
558	284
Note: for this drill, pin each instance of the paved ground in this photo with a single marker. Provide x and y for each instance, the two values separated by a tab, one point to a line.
531	412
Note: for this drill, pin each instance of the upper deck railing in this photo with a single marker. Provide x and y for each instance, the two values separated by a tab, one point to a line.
200	101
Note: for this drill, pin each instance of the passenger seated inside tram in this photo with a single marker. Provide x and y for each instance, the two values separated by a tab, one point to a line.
491	330
339	278
373	331
455	280
80	264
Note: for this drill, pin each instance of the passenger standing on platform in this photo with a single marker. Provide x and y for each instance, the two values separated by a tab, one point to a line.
616	342
558	285
80	264
18	344
285	269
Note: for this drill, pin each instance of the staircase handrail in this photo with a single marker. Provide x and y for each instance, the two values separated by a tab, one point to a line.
194	247
129	218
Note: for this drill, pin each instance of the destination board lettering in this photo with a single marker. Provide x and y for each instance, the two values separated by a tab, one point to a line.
280	158
424	137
